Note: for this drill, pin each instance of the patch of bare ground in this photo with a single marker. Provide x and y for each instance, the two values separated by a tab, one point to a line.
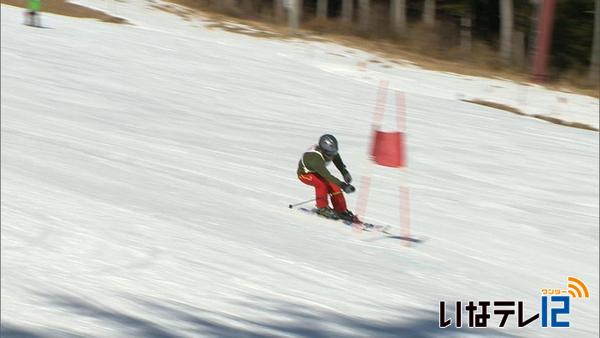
63	7
260	27
419	48
537	116
185	12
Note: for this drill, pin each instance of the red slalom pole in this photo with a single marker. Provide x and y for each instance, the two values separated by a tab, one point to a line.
543	40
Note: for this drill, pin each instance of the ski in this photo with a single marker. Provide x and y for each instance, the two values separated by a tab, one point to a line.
364	226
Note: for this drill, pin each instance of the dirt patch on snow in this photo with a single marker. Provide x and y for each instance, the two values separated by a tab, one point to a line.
66	8
514	110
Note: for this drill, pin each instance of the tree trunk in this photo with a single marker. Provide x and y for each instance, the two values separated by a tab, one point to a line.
595	57
347	11
322	9
533	31
364	14
429	13
398	16
294	10
248	8
519	56
278	10
227	6
465	33
506	30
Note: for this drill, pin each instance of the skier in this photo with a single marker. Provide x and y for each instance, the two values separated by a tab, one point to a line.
32	16
312	171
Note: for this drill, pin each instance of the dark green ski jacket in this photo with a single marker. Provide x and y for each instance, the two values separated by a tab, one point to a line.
315	162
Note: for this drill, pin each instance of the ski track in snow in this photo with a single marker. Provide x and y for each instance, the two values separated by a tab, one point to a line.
147	169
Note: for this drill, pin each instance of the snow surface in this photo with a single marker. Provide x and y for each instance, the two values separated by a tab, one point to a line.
147	169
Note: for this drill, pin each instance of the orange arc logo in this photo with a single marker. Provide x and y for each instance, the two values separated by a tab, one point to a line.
577	288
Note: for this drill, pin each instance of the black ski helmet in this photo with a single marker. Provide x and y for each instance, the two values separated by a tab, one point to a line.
329	145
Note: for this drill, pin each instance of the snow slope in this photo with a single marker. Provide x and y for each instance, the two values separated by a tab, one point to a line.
147	168
357	65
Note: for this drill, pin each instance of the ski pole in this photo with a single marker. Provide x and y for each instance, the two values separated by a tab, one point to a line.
311	200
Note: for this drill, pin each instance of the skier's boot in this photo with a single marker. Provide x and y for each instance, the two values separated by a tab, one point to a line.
348	216
327	213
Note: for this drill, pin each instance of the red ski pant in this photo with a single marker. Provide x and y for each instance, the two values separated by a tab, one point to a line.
322	188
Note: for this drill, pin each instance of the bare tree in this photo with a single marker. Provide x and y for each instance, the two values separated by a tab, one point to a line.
506	30
347	10
466	21
398	16
278	10
322	9
364	14
519	55
294	9
429	13
533	32
248	7
226	5
595	57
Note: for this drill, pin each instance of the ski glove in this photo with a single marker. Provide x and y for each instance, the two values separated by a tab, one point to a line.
348	188
347	176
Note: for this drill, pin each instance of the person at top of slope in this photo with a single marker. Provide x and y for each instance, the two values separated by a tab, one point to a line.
32	15
312	171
